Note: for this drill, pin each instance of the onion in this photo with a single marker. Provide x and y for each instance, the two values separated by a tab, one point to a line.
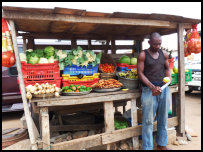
57	94
47	91
29	95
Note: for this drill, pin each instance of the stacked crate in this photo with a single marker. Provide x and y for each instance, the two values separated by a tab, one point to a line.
77	75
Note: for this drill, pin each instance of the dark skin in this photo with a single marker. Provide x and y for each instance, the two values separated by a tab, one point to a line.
155	44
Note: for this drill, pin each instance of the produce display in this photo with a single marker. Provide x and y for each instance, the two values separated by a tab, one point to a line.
110	83
79	57
107	68
132	74
75	88
42	89
39	56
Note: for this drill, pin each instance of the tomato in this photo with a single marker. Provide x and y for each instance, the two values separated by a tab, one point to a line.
8	59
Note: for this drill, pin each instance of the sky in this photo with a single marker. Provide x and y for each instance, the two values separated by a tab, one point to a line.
185	9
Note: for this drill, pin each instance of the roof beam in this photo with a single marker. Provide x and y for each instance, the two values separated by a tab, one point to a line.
86	19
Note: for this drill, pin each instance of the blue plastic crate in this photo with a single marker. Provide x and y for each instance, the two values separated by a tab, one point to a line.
75	70
122	69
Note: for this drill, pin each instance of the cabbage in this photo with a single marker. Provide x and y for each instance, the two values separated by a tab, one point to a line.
49	51
34	60
43	60
133	61
124	59
51	59
23	57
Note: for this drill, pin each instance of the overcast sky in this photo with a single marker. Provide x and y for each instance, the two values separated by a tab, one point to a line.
185	9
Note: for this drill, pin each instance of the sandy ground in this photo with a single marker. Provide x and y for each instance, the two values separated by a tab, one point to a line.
192	116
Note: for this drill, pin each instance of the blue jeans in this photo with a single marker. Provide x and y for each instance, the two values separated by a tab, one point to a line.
151	104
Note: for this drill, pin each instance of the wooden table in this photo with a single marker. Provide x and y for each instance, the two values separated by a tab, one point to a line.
110	136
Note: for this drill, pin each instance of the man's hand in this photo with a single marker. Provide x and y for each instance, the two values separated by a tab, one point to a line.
156	91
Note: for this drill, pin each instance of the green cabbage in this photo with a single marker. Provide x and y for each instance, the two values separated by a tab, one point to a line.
43	60
34	60
49	51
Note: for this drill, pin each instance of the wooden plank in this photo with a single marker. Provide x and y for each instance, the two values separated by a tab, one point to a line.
134	123
86	19
65	101
126	133
109	118
174	104
79	144
181	78
76	127
45	127
22	87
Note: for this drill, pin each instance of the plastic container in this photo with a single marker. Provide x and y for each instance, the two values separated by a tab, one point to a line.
174	77
125	67
40	71
56	81
84	78
188	76
75	70
84	83
171	63
129	83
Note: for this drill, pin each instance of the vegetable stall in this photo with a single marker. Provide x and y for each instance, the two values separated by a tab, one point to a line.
73	24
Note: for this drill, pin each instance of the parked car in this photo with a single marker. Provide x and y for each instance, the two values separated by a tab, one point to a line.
195	84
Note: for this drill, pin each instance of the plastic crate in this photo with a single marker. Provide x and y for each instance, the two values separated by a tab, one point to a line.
84	83
56	81
40	71
188	76
84	78
125	67
75	70
171	63
174	77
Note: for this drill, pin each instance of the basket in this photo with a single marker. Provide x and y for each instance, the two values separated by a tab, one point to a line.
129	83
107	59
75	70
84	78
56	81
40	71
107	76
84	83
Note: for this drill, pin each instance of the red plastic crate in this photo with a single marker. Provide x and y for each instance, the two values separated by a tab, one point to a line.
56	81
171	63
40	71
84	83
126	65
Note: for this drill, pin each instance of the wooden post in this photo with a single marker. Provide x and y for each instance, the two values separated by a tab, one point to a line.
30	43
181	78
109	118
107	46
113	48
89	44
73	43
24	44
44	114
22	88
134	123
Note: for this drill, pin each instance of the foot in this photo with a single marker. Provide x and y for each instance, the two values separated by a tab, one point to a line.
162	148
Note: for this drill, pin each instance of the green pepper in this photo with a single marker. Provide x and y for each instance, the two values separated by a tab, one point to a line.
88	88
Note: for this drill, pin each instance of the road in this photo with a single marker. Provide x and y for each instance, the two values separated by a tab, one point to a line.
192	120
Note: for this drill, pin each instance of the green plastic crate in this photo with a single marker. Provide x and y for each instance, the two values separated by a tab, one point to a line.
188	76
174	77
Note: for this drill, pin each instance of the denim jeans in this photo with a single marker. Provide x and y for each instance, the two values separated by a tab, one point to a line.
150	105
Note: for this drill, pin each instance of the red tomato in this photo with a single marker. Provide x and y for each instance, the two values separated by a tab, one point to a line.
8	59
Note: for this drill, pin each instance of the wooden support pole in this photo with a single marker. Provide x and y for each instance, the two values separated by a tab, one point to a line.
89	44
113	48
134	123
22	88
181	78
109	118
24	44
73	43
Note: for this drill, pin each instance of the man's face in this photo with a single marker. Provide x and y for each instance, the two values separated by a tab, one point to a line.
155	44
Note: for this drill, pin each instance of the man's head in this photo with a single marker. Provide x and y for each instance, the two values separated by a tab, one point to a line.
155	41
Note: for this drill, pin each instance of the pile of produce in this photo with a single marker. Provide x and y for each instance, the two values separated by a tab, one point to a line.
80	57
120	124
128	60
75	88
132	74
107	68
39	56
44	88
110	83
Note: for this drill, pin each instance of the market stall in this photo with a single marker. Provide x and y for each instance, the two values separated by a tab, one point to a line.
72	24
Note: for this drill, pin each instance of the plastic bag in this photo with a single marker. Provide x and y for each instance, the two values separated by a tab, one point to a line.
8	58
194	44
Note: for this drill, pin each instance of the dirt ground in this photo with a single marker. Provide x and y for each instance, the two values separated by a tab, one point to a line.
192	116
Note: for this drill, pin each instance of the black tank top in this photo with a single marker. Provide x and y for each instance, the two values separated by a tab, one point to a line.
154	69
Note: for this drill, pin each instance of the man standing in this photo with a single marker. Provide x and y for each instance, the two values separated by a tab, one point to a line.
153	66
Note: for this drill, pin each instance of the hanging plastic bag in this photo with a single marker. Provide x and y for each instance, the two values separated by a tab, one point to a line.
8	57
194	44
186	40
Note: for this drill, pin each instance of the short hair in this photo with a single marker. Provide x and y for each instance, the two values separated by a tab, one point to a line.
154	35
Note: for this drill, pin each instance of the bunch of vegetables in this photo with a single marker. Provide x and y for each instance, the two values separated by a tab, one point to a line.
132	74
107	68
76	88
39	56
44	88
79	57
8	57
120	124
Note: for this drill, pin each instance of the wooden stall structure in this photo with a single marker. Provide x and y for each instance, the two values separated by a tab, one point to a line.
74	24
